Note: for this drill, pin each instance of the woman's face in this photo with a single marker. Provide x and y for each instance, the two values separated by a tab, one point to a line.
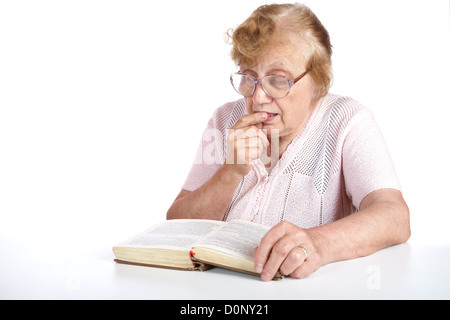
292	111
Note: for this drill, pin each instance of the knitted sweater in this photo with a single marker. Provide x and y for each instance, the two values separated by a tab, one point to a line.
338	158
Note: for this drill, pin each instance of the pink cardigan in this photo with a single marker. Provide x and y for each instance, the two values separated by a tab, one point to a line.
331	165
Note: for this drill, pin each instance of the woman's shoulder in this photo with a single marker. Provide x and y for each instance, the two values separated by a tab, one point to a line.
340	110
226	116
341	104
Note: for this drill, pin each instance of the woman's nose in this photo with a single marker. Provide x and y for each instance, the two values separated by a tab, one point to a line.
259	96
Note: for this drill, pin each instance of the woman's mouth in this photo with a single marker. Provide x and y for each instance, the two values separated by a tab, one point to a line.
271	117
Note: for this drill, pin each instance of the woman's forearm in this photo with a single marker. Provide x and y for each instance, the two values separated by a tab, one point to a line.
210	201
378	224
383	220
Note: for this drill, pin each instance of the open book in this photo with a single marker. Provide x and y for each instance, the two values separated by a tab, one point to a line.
195	245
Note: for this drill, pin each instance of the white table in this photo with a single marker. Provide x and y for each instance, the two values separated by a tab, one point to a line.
400	272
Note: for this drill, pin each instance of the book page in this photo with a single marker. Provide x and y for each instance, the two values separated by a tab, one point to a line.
237	238
173	234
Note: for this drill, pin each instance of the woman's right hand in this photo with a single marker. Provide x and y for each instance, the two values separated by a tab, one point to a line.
246	142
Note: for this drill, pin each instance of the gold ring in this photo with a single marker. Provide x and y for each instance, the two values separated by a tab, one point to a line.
304	250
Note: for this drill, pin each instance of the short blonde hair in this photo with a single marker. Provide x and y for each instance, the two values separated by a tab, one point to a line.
273	24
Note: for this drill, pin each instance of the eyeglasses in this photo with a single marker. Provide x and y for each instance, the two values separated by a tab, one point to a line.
274	86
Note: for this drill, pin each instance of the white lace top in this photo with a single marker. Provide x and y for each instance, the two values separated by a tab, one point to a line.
331	165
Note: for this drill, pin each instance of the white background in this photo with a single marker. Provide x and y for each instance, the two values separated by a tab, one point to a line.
103	103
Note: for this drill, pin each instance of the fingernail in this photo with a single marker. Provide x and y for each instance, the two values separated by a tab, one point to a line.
265	276
263	115
259	268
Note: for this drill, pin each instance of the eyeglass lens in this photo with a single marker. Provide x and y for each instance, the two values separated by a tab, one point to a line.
274	86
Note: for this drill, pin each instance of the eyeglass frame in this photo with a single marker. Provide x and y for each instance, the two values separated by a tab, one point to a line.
259	81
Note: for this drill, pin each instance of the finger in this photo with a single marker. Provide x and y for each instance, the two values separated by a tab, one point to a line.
263	137
279	254
253	154
266	244
253	142
248	148
249	137
247	132
305	269
253	131
295	259
250	119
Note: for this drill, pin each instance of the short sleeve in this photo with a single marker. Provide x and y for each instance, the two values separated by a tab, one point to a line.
209	157
212	148
367	164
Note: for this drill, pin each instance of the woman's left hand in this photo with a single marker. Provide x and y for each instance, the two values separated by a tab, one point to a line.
287	248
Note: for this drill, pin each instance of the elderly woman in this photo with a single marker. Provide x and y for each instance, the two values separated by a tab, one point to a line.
311	164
